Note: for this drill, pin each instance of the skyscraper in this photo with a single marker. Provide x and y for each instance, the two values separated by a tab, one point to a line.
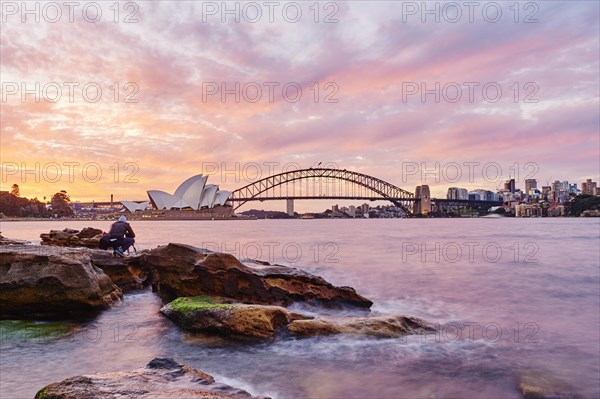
588	187
509	185
556	190
530	184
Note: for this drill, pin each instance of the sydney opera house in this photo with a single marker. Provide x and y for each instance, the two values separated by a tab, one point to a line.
192	195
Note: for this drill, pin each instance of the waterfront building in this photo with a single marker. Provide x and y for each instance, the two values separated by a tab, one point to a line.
527	210
352	211
193	194
365	208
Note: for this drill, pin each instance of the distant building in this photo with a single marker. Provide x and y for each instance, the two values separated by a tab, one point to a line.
589	187
506	196
352	211
534	193
573	189
509	185
457	193
546	192
530	184
365	209
526	211
474	196
485	195
556	191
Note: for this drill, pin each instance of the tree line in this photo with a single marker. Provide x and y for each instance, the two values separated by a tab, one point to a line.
13	205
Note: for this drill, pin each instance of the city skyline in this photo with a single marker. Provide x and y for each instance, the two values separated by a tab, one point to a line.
557	192
375	127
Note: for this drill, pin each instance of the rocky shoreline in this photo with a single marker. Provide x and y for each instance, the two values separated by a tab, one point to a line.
202	292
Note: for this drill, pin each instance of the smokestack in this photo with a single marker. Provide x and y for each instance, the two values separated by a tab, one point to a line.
111	201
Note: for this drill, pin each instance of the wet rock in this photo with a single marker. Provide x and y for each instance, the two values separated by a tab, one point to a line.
184	270
44	282
224	317
88	232
161	378
128	273
88	237
8	241
384	326
220	316
537	385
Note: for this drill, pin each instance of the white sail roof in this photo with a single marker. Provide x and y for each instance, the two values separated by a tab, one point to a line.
132	206
193	193
190	191
222	197
209	195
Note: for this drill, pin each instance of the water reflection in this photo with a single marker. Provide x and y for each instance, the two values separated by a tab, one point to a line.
558	294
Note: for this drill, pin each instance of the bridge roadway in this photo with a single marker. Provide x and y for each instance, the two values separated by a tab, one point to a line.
440	201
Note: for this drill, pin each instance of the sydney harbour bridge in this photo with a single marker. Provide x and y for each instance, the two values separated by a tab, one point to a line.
325	183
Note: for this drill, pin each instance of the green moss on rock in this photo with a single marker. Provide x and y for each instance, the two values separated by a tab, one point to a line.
24	330
186	305
42	393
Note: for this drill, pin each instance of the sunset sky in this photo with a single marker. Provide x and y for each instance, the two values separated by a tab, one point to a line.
370	61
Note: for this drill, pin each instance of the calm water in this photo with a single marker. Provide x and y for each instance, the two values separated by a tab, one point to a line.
511	295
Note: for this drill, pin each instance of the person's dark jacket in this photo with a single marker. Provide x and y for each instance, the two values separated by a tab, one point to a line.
120	230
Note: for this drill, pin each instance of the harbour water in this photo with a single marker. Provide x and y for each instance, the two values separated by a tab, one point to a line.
511	296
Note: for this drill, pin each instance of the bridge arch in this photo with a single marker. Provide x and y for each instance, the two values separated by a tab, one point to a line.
259	190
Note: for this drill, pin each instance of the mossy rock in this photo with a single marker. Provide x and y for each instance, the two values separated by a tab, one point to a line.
217	316
24	330
187	305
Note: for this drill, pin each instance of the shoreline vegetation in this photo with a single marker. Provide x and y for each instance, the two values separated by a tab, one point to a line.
202	292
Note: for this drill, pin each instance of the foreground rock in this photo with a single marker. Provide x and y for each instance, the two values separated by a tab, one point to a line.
384	326
42	282
161	378
128	273
537	385
88	237
186	271
222	317
8	241
216	316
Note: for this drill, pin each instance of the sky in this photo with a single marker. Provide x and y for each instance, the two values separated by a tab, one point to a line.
103	98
